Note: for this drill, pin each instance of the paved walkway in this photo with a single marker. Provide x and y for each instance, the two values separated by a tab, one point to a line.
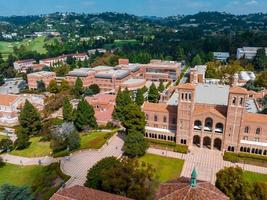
78	163
207	162
17	160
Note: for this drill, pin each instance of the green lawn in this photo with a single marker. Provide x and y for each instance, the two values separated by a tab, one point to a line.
17	175
95	140
3	137
166	168
253	177
36	149
36	44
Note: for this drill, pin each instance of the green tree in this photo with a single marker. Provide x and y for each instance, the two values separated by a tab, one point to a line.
231	182
181	55
78	87
135	144
196	60
53	87
134	119
74	140
2	81
161	87
123	99
85	116
93	179
139	99
22	140
6	144
10	192
153	94
129	178
95	88
64	86
30	119
41	86
260	60
67	110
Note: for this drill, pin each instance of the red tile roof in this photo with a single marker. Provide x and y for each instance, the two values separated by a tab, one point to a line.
187	86
7	99
218	110
84	193
158	107
180	189
254	117
238	90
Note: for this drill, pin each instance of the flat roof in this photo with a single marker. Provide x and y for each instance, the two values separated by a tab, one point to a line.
81	72
133	80
102	68
117	73
42	73
212	94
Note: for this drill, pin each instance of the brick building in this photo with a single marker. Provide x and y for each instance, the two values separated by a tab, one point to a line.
209	115
44	76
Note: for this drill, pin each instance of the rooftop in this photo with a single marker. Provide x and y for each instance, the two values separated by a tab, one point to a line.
81	72
42	73
7	100
212	94
84	193
118	74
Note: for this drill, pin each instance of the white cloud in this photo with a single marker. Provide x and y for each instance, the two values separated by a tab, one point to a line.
251	2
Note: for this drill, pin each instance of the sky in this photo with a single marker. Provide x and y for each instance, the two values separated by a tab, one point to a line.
137	7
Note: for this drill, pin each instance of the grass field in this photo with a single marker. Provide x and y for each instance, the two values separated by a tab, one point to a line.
17	175
3	137
253	177
166	168
36	44
95	140
36	149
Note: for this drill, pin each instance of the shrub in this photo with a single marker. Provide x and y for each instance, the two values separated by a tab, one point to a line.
6	144
61	154
181	148
232	157
252	156
160	142
2	163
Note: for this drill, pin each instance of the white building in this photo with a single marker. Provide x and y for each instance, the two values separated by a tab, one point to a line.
222	56
248	52
23	65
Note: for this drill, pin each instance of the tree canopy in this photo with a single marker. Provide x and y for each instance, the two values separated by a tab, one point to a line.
153	94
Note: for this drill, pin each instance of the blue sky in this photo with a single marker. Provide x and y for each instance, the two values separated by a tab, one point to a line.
138	7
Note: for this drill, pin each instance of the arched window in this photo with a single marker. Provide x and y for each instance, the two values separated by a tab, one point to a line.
234	101
219	128
246	129
197	125
164	119
208	124
155	118
241	101
258	131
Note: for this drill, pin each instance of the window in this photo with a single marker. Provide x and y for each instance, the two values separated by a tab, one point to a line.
241	101
182	96
245	138
186	96
155	118
234	100
219	128
164	119
258	131
208	124
147	117
197	125
190	96
256	139
246	129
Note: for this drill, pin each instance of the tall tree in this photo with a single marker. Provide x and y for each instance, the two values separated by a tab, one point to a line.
196	60
53	87
135	144
30	119
64	86
260	60
85	116
67	110
95	88
10	192
123	99
153	94
78	87
161	87
41	86
139	99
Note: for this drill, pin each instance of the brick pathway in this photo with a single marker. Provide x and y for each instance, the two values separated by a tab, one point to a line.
79	162
207	162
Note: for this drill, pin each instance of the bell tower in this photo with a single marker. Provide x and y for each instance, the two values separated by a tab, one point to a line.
185	110
235	111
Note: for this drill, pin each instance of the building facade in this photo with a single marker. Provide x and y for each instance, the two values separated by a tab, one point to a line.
209	115
44	76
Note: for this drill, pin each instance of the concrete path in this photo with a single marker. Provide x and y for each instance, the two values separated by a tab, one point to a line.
207	162
17	160
78	163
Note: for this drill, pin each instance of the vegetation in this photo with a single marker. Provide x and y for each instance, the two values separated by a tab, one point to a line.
135	145
94	179
231	181
37	148
139	99
67	110
78	88
166	168
85	116
126	177
95	140
246	158
10	192
168	145
153	94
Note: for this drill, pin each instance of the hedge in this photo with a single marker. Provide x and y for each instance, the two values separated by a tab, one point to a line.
232	157
61	154
175	147
237	157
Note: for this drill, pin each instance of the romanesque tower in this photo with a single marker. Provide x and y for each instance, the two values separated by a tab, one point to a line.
236	108
185	110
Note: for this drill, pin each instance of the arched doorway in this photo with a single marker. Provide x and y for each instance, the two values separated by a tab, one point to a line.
196	140
207	142
217	144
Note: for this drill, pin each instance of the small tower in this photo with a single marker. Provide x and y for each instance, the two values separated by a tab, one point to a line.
193	180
